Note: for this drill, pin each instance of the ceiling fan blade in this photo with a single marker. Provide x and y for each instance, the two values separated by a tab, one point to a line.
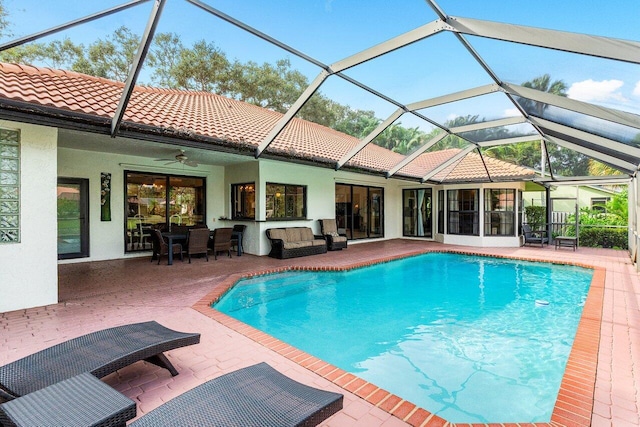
191	163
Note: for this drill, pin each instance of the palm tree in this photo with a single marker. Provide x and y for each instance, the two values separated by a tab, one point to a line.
544	84
597	168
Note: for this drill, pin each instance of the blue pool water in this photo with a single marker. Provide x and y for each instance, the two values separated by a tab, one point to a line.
471	339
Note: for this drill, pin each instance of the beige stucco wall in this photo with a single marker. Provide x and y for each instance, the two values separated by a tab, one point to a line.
28	270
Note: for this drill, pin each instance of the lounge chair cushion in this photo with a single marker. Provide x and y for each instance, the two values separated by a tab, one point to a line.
299	244
306	234
99	353
293	234
329	227
255	396
279	233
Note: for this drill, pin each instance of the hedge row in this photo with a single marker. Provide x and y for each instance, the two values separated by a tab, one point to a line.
604	237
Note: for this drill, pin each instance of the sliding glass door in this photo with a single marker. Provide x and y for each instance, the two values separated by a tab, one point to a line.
160	201
73	218
359	211
417	212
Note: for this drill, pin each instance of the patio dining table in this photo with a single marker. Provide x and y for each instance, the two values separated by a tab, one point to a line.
171	237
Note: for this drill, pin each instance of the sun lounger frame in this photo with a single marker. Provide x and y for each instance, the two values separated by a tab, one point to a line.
99	353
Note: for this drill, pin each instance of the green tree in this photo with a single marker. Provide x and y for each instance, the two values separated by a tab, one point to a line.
164	57
204	67
26	54
597	168
56	54
59	53
358	123
544	84
275	87
323	111
619	205
110	58
4	20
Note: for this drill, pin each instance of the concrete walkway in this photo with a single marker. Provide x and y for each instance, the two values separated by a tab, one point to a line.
98	295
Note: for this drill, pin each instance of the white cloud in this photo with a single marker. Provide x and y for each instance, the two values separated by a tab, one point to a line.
602	91
636	90
512	112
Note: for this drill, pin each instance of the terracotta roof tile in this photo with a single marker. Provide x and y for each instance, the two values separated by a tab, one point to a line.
229	120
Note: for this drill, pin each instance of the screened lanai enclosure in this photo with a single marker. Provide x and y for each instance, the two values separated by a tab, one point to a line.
432	83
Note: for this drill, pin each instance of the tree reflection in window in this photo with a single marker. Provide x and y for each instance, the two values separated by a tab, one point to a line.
285	201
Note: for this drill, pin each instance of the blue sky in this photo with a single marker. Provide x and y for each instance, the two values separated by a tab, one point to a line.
330	30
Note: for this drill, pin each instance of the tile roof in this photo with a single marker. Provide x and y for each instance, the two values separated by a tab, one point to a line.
229	121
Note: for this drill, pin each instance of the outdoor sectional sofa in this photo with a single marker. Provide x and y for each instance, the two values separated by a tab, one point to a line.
290	242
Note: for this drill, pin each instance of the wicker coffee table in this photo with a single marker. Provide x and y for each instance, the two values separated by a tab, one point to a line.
80	401
566	241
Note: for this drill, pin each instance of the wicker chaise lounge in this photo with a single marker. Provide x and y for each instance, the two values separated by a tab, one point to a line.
257	396
99	353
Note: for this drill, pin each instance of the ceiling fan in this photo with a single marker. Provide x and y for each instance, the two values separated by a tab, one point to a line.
179	158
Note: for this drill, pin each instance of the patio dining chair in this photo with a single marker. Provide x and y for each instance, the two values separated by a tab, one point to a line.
99	353
161	247
197	242
220	241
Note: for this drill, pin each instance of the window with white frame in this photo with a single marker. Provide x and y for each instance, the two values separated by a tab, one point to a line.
462	212
499	212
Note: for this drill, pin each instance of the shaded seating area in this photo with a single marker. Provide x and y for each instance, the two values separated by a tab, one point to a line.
161	247
531	237
257	395
99	353
220	241
329	230
198	242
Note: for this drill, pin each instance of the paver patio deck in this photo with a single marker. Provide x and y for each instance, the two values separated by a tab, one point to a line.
97	295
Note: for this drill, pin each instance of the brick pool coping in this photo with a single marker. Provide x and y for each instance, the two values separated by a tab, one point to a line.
574	404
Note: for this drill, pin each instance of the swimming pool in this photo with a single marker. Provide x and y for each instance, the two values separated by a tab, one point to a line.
461	336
